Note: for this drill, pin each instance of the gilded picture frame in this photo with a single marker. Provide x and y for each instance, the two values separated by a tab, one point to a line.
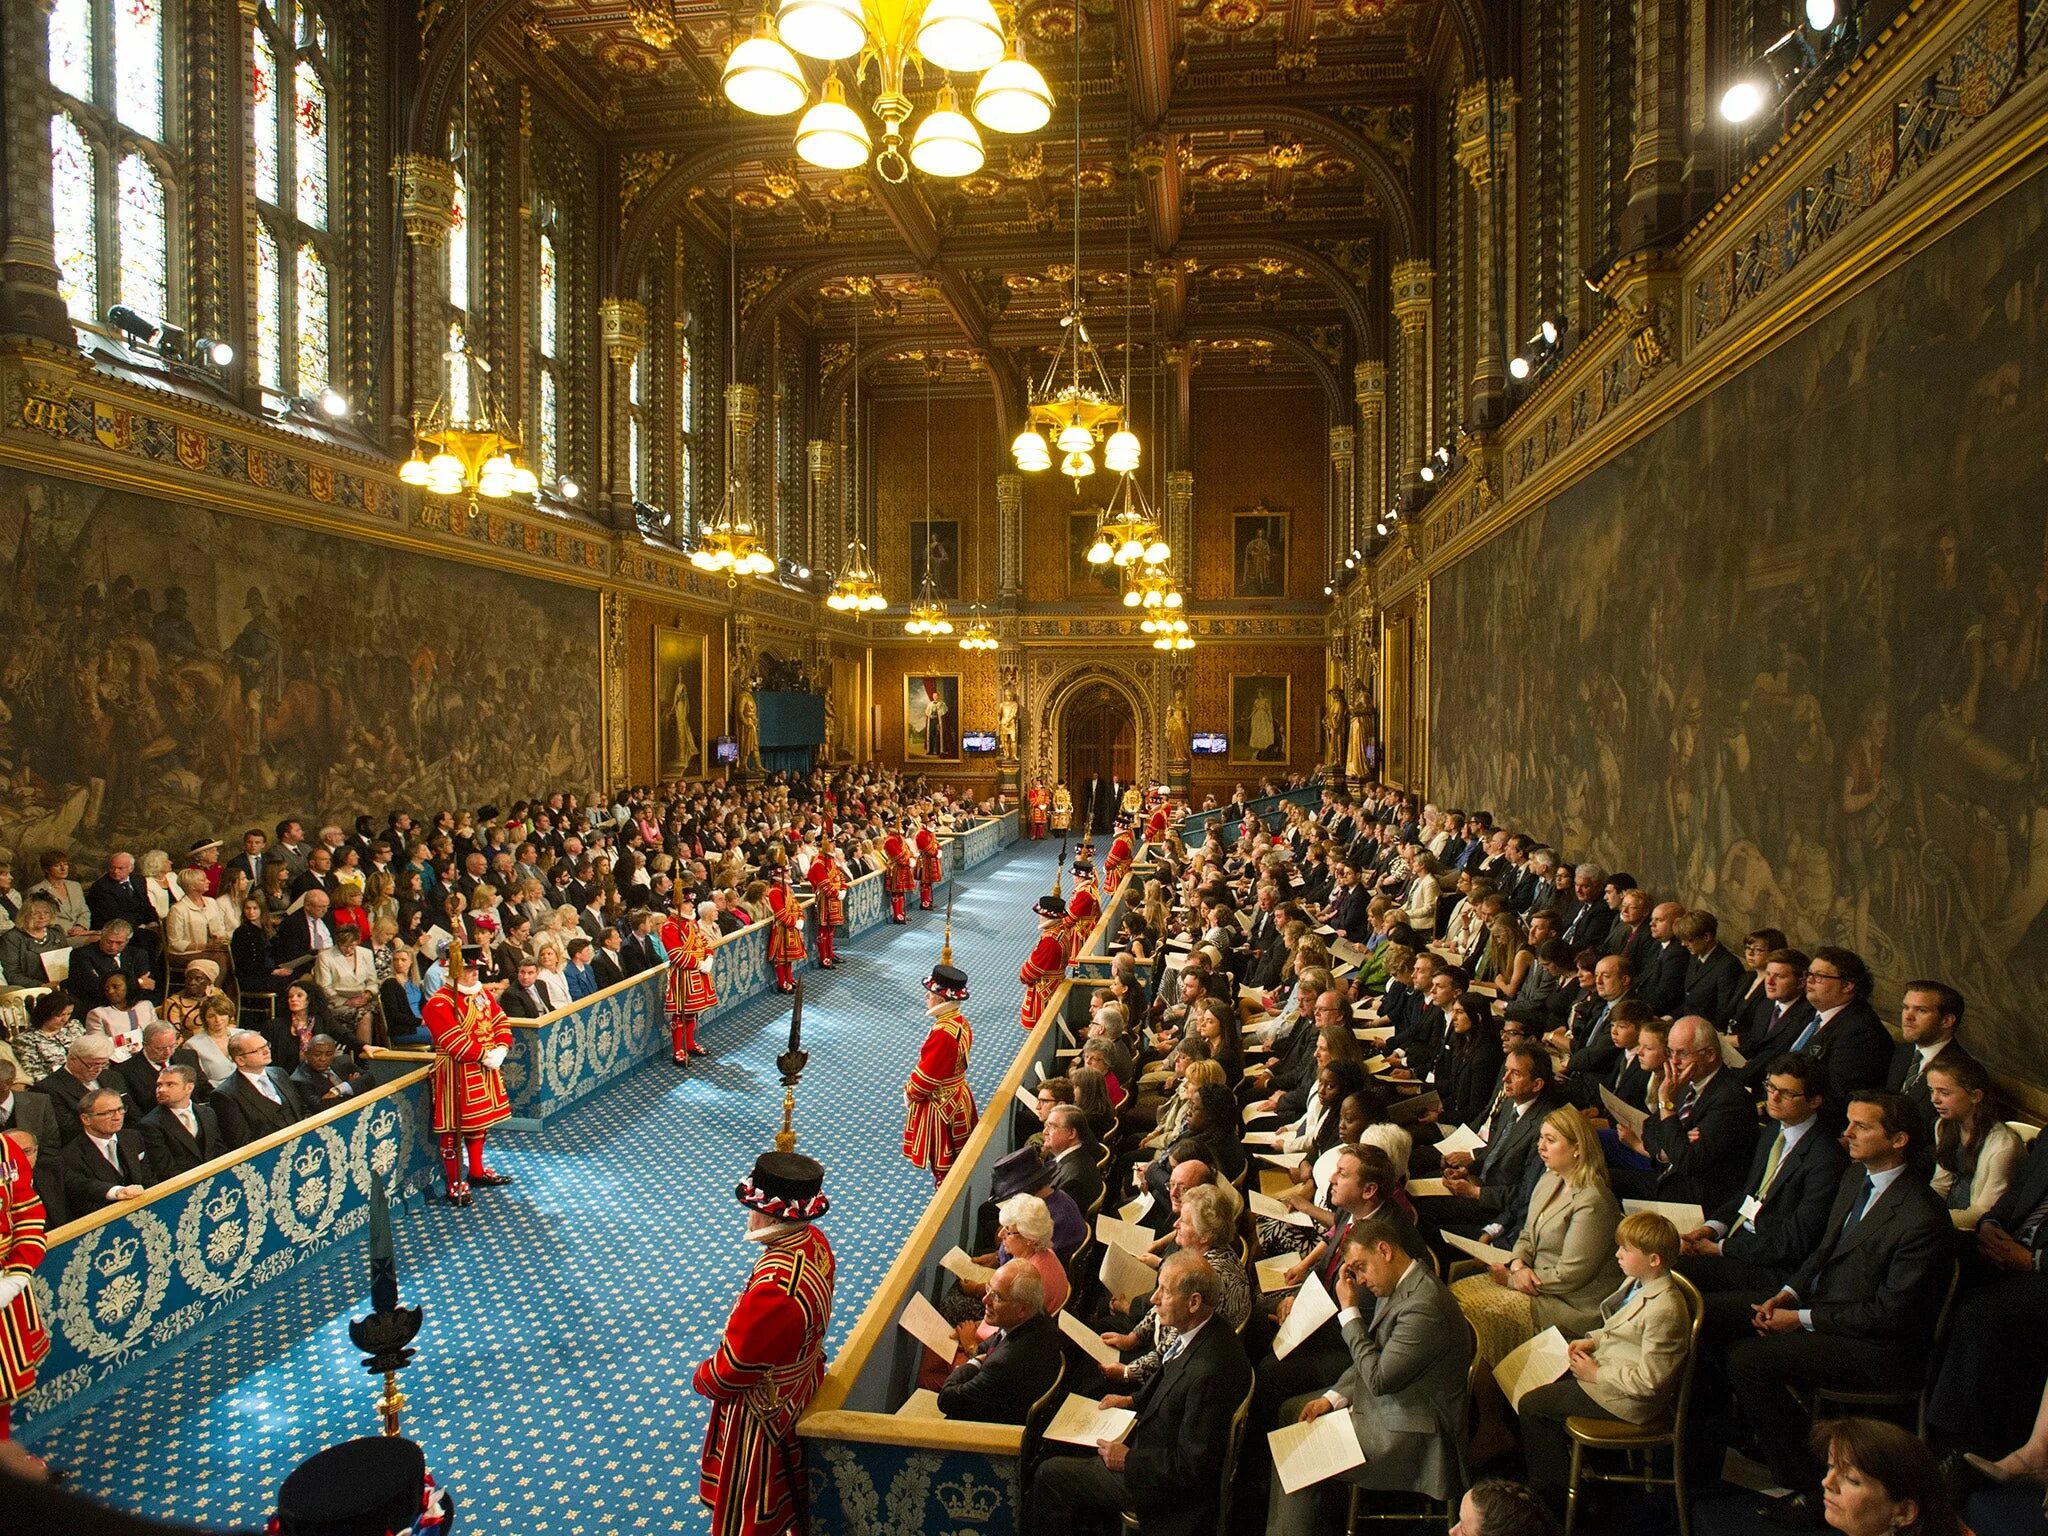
931	717
678	704
1261	715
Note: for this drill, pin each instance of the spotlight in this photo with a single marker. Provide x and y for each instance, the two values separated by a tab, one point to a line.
333	403
1358	554
1350	562
1540	350
1381	529
803	573
1428	473
1771	78
1328	590
135	327
1821	14
210	349
567	489
650	519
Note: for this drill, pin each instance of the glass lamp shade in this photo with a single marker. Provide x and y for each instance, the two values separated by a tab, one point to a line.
962	36
1173	598
1156	552
1133	597
702	560
1013	97
1030	452
1120	453
1100	551
946	143
414	470
1074	438
822	29
1078	465
763	76
877	602
832	135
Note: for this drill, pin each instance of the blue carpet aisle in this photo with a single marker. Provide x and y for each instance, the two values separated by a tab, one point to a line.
566	1313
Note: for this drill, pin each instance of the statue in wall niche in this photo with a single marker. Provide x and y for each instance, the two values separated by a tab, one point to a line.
1006	719
1357	748
1333	729
750	732
1177	725
828	748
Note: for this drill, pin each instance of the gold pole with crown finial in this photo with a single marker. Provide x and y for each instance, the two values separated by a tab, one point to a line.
946	944
1059	868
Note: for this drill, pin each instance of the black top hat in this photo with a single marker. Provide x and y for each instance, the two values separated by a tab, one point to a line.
1022	1172
372	1486
1083	864
947	981
785	1185
1051	904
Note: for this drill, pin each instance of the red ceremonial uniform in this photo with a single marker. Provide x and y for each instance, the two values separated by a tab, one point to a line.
785	928
828	882
1118	864
1041	974
1040	804
929	869
469	1097
690	988
24	1341
765	1373
940	1104
1155	828
896	878
1083	907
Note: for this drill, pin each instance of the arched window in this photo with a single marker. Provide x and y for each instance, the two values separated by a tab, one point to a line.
547	354
456	380
110	159
294	160
636	423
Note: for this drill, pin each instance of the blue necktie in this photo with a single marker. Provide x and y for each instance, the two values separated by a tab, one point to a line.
1805	1035
1856	1211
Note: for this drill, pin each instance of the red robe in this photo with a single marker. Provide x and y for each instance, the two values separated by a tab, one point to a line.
1083	907
1041	974
786	932
765	1373
940	1104
469	1097
1155	829
24	1340
690	988
1041	807
929	870
828	882
1118	864
896	877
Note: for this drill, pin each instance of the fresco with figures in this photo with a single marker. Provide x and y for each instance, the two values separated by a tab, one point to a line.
1797	635
176	672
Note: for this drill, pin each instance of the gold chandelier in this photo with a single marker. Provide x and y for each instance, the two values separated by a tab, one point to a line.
858	589
1129	533
476	455
729	544
1153	592
928	615
981	635
887	39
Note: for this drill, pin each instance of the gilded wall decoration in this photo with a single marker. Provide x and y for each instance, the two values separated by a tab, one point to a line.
1799	630
678	704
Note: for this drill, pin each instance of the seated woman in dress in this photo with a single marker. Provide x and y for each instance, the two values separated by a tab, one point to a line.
256	968
181	1008
207	1047
1310	1193
195	924
551	981
42	1048
1976	1154
1024	1231
1207	1224
120	1018
403	996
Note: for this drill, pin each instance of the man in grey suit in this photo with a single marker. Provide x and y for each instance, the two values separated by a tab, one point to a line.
1406	1388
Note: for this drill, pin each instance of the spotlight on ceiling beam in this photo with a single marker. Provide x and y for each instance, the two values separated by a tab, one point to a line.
136	327
1783	65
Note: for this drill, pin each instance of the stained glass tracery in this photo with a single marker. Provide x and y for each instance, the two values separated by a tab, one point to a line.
142	236
71	48
76	223
310	310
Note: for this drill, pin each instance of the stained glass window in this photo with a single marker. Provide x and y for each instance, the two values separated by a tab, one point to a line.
458	248
269	309
139	66
310	312
309	143
76	224
263	96
71	48
548	336
142	235
458	373
550	420
636	426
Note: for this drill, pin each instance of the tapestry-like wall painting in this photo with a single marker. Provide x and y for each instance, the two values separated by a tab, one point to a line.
679	704
173	672
1785	656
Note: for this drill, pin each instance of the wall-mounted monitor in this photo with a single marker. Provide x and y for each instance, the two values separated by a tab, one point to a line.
977	741
726	750
1209	744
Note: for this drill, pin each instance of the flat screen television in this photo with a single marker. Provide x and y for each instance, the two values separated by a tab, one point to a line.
725	750
977	741
1209	744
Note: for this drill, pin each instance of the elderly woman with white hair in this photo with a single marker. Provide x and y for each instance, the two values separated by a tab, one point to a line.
1023	1231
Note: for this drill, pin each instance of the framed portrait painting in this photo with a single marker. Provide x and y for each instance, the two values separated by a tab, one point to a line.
678	704
931	717
1258	554
1083	579
935	547
1259	717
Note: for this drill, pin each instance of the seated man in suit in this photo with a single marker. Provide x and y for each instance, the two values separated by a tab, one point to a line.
1859	1313
24	1110
1482	1187
1929	1014
1755	1239
258	1100
1073	1156
1714	978
303	934
1661	981
89	1064
1627	1368
1405	1386
1586	1042
1169	1469
106	1161
1018	1362
1845	1032
325	1076
1701	1127
138	1074
92	964
521	998
179	1134
605	961
1776	1017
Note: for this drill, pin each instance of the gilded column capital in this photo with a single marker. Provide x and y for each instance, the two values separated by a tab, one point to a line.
822	454
623	324
1484	147
1369	384
426	198
1343	445
742	406
1414	284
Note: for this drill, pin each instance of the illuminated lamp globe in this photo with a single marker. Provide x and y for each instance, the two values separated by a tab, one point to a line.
1078	465
832	136
1130	550
963	36
414	470
1030	452
1518	367
1074	438
525	482
1156	552
1132	598
946	143
1013	97
1742	101
762	76
1173	598
822	29
1100	552
1120	453
444	465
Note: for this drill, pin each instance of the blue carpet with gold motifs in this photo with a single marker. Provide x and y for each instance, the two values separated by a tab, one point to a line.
566	1313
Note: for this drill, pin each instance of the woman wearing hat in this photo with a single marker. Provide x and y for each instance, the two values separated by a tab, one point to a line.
771	1357
195	924
939	1102
182	1007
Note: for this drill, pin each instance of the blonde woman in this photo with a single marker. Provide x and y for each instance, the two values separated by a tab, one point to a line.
1563	1264
195	924
552	983
1173	1112
1508	956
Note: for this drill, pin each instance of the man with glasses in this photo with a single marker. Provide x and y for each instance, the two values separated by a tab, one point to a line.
1845	1034
259	1100
1753	1241
107	1161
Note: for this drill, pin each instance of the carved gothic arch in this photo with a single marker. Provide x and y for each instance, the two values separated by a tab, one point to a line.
1051	683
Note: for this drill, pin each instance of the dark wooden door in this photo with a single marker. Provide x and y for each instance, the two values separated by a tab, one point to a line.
1098	736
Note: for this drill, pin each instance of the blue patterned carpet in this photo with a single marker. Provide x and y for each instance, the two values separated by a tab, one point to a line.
566	1313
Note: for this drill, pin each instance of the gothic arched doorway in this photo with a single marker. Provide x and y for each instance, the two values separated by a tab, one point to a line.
1097	736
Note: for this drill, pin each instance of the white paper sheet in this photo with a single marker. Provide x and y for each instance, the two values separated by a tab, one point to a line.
922	1322
1265	1205
1286	1160
1028	1099
1312	1308
1687	1218
1084	1421
1486	1253
1124	1274
1459	1138
1419	1188
1124	1234
1260	1138
1091	1342
1323	1448
1256	1110
1038	1071
1138	1209
1272	1272
1537	1363
56	965
956	1262
1374	1032
1273	1182
1621	1112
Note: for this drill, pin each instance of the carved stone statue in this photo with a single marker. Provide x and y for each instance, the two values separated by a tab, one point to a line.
1006	720
1177	725
1333	729
750	732
1361	722
828	748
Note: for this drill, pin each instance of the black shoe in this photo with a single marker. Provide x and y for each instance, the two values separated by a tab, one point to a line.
1793	1512
490	1180
681	1058
458	1194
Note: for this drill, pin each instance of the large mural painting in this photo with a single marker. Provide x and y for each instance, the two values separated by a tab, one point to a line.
172	672
1785	655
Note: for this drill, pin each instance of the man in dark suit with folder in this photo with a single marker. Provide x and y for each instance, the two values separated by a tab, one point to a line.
1020	1360
1171	1468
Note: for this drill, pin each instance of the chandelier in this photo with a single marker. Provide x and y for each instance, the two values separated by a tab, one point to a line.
729	544
928	616
858	589
1153	592
981	635
887	39
476	454
1129	534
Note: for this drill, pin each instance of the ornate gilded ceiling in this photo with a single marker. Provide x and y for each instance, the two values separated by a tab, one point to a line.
1253	164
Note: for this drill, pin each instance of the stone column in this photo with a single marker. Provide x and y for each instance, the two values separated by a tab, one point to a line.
742	410
1009	538
1180	526
1369	389
1414	282
824	533
1486	152
29	302
1656	162
623	325
425	188
1343	489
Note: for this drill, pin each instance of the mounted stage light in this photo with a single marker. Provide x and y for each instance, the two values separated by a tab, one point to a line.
1784	64
137	328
